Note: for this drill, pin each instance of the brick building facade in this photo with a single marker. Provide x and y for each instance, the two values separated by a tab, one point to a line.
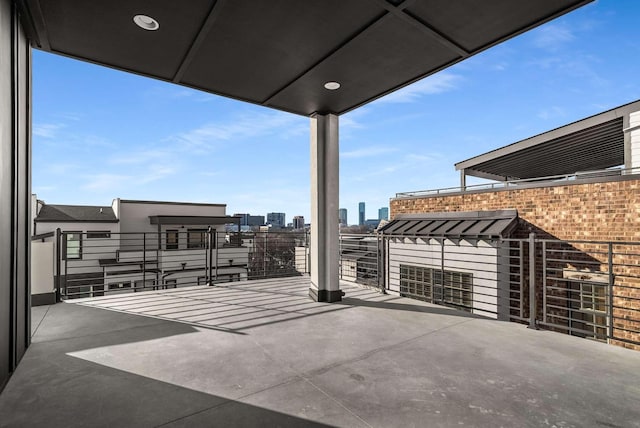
596	210
600	209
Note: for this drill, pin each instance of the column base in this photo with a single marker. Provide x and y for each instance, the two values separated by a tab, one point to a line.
328	296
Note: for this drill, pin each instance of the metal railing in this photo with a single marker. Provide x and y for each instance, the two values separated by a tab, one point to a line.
522	183
360	259
90	264
589	289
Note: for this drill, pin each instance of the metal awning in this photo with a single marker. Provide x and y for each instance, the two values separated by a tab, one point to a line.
590	144
462	225
280	53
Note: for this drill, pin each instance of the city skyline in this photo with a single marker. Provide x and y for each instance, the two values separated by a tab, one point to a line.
99	133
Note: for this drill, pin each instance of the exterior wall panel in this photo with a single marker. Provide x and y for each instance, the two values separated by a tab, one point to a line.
15	163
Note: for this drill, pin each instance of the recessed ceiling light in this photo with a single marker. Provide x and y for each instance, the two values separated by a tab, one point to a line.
146	22
332	86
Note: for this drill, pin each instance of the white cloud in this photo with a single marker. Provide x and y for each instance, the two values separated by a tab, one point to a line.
206	137
155	173
401	165
47	130
61	168
552	36
435	84
139	157
367	152
551	113
106	182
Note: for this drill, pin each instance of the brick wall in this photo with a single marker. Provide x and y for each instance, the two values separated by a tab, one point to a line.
597	211
608	211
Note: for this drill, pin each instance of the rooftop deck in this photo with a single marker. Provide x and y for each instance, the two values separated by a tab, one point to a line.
584	177
261	353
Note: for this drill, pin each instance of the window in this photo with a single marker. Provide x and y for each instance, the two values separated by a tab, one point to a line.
119	285
98	234
593	296
170	283
73	245
588	308
141	285
172	240
196	238
437	286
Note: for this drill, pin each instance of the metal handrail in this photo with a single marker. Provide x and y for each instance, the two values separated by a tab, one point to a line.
511	183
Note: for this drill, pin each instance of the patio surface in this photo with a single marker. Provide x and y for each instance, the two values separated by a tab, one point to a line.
261	353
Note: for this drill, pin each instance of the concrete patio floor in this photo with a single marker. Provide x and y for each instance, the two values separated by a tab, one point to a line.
261	353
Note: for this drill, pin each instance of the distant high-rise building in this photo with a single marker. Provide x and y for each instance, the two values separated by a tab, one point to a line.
342	216
250	220
255	220
276	219
361	216
244	219
298	222
383	213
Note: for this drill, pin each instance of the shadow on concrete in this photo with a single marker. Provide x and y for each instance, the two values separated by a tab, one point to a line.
432	309
72	392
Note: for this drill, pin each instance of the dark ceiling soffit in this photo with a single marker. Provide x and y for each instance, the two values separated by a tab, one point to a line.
30	11
563	131
400	12
359	32
202	34
192	220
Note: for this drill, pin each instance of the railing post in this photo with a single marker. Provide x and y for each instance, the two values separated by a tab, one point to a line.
381	264
442	271
58	263
544	281
210	238
532	281
611	284
144	263
215	242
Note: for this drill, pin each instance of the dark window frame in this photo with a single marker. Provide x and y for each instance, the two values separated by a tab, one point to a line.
171	245
65	243
192	243
426	283
105	234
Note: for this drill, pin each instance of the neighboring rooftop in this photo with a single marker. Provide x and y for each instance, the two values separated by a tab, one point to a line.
199	204
594	143
76	213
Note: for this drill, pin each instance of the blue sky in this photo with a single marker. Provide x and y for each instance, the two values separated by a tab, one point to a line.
100	133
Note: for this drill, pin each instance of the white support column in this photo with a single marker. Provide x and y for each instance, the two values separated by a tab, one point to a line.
325	248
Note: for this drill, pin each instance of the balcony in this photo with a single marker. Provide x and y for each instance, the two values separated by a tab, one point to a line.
585	177
261	353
